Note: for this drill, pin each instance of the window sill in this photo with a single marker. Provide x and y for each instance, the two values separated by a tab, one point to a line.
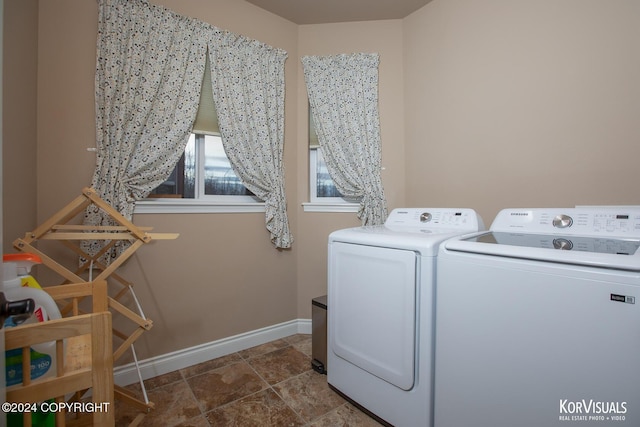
330	207
182	206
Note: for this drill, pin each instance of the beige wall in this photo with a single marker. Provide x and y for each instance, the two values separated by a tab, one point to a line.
522	103
483	104
19	118
385	38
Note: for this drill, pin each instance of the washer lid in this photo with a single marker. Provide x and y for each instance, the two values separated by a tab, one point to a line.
607	236
602	245
615	253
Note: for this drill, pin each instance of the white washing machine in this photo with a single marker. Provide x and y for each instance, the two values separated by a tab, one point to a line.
538	321
380	311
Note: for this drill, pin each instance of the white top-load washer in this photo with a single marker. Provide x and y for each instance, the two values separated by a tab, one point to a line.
380	311
538	321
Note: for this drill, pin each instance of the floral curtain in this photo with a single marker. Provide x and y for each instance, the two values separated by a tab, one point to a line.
248	90
343	94
149	70
150	64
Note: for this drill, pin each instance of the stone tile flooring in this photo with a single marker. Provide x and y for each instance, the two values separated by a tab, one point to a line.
268	385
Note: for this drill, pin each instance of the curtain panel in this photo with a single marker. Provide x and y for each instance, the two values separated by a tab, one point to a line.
248	90
149	73
343	95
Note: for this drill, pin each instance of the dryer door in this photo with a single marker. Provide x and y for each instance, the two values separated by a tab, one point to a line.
372	310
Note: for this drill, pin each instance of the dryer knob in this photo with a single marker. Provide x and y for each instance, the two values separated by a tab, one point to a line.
425	217
562	221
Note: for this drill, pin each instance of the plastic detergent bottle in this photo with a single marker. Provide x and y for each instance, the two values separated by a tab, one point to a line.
43	356
24	262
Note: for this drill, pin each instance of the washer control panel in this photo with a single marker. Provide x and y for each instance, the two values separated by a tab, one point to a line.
621	221
435	218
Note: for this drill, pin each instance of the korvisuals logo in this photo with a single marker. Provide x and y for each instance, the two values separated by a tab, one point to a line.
592	410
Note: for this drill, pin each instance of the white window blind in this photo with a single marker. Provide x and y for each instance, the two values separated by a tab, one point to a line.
207	118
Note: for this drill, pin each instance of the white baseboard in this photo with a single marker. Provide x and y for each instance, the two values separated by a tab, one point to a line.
159	365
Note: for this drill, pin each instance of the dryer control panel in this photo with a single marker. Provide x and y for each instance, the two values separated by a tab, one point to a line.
622	222
435	218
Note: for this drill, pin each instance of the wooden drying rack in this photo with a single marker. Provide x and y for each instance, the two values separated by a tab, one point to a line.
57	228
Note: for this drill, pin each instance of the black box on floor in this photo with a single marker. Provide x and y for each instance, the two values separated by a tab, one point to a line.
319	334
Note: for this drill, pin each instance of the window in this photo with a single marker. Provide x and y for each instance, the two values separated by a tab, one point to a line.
324	196
203	180
204	172
323	189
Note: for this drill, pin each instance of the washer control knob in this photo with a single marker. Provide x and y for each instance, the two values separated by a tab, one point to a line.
562	221
425	217
563	244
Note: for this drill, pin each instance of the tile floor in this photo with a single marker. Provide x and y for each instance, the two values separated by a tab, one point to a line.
268	385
